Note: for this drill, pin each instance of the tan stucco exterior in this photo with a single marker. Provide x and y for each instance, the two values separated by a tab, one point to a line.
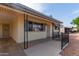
16	21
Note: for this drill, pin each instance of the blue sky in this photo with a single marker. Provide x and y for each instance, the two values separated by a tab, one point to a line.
64	12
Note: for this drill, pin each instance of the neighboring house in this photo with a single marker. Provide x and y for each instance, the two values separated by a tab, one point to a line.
74	29
58	29
67	29
62	29
56	32
24	24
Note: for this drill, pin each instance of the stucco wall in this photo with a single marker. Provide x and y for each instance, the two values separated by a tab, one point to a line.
17	29
51	26
17	26
14	30
36	35
20	28
40	34
0	30
31	35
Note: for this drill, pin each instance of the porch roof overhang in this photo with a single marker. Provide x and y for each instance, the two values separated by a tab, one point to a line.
26	9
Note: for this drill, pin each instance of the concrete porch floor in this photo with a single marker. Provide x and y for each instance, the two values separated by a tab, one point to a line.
8	47
49	48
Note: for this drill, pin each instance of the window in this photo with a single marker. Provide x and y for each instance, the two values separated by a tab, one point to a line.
56	27
32	26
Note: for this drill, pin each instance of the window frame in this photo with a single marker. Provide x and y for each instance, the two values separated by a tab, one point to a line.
32	29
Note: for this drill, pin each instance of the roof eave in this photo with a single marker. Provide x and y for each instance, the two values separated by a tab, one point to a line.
29	10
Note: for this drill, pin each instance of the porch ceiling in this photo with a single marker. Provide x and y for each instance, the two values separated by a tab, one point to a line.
6	14
6	17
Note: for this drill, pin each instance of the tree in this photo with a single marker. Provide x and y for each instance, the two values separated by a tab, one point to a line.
76	22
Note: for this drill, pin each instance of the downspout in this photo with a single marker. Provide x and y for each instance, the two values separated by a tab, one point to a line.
52	32
25	30
59	31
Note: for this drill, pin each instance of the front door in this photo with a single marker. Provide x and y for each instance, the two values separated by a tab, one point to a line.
5	30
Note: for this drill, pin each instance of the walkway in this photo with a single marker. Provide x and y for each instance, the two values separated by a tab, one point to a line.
73	48
49	48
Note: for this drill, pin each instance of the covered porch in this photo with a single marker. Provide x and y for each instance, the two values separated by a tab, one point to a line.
10	23
14	25
14	28
10	33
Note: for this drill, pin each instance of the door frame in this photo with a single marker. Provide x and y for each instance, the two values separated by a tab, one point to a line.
3	29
